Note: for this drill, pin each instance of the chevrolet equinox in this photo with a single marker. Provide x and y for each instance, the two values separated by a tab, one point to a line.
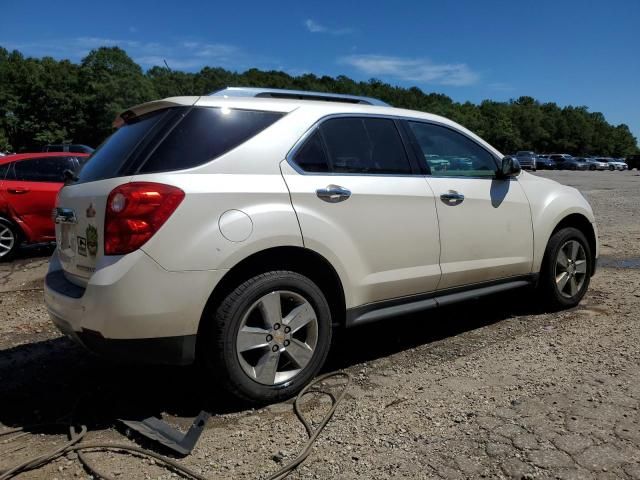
241	228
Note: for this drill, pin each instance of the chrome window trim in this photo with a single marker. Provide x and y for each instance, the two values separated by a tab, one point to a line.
289	157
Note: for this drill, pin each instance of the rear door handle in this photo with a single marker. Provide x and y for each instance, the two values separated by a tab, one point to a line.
17	191
452	198
333	194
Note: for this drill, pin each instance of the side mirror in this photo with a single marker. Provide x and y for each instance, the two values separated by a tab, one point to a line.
510	167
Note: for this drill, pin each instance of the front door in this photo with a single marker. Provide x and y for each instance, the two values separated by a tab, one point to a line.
485	222
362	206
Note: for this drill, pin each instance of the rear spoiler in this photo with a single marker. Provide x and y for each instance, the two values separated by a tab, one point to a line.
148	107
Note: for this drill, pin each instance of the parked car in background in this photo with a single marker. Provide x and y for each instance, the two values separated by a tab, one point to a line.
242	231
633	161
68	147
29	183
527	159
612	164
618	163
564	161
544	163
594	163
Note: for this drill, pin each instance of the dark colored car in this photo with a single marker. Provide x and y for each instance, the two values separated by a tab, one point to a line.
544	163
564	161
527	159
68	147
29	183
633	161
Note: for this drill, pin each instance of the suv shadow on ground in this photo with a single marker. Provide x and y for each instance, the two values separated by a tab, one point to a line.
50	380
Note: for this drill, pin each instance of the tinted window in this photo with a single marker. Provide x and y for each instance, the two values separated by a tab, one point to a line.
448	152
205	134
108	159
3	170
311	157
47	169
80	149
364	145
54	148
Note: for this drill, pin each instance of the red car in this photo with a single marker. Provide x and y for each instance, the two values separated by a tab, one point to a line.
29	183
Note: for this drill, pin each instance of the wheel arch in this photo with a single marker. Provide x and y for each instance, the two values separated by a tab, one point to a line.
582	223
297	259
6	217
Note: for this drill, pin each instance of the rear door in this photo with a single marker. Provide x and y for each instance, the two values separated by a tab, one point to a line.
364	206
31	187
485	222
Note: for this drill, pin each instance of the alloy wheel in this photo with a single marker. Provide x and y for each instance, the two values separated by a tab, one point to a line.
277	337
571	268
7	240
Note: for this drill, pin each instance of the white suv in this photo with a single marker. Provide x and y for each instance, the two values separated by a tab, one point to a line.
241	228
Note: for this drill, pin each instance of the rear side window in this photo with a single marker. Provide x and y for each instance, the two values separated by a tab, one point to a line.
3	170
174	139
355	145
311	157
46	169
205	134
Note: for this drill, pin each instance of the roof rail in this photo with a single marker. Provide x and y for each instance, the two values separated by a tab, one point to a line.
295	95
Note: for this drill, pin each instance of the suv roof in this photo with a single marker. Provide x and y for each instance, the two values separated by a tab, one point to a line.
296	95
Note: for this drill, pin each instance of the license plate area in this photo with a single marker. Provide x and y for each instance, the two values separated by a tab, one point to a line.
67	242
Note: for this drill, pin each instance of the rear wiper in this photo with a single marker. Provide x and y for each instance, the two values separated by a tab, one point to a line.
69	176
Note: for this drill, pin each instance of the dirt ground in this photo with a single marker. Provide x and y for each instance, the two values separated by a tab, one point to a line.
490	389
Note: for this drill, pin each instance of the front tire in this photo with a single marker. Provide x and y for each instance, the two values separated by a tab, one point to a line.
271	337
9	240
566	269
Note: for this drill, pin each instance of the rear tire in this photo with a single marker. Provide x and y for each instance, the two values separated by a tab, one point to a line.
271	337
10	240
566	269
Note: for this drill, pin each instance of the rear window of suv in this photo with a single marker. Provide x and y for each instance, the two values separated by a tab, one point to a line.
205	134
174	139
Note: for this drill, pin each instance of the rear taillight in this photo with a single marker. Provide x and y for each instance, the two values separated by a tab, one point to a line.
135	212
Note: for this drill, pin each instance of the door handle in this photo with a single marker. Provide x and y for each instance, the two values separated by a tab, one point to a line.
333	194
17	191
452	198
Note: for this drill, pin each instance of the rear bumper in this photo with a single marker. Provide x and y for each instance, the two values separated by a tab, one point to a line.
132	310
162	351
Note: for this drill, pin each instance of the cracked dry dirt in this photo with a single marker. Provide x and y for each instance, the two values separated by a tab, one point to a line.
490	389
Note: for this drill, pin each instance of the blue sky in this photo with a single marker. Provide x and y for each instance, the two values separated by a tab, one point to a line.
577	52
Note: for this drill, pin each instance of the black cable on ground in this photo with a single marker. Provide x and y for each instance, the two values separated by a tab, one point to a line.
75	444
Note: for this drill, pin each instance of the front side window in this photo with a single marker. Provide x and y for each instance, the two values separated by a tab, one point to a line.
46	169
449	153
355	145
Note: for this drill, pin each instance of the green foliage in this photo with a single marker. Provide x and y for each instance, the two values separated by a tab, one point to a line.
45	100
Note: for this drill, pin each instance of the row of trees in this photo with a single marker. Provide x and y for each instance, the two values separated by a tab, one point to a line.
43	100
